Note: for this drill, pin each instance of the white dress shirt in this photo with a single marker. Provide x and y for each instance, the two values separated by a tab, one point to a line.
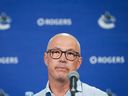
82	88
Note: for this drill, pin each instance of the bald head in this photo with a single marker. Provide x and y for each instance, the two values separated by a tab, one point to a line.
64	39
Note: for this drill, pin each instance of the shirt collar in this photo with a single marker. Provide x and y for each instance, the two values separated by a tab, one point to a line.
79	87
47	88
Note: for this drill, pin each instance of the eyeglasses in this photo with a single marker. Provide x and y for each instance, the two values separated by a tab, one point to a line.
69	54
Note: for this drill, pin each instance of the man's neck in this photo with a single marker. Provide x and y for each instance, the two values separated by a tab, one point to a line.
59	88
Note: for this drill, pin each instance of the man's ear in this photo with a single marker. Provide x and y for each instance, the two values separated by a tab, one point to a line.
45	59
79	62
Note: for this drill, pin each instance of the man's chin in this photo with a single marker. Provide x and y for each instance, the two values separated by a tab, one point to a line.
61	76
61	72
61	79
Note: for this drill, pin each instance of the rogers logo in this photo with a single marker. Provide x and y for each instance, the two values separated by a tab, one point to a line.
107	60
9	60
54	21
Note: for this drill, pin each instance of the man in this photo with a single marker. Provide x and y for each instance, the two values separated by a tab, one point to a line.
62	57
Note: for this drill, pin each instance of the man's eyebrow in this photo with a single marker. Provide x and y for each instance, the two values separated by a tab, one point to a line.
53	48
71	50
64	50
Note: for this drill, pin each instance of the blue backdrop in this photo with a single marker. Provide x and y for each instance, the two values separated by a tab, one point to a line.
27	25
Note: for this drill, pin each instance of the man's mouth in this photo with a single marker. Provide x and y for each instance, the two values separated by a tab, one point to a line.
64	69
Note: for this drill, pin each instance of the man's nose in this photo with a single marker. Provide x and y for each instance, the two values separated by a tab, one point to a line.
63	58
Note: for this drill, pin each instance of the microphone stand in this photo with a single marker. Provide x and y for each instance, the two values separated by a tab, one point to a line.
73	86
73	77
72	93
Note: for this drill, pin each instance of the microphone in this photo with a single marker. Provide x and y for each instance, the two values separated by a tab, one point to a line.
73	76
